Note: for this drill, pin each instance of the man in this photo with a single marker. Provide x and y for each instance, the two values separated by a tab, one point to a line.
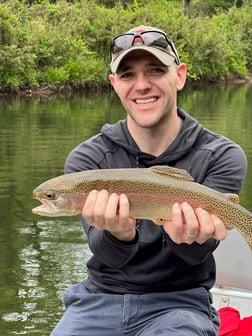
144	279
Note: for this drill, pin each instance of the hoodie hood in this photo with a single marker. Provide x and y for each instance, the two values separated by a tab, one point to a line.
189	131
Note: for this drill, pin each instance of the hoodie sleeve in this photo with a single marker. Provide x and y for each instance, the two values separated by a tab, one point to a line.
225	173
109	250
112	252
195	253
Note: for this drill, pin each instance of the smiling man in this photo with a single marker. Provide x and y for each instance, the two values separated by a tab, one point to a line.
148	89
144	279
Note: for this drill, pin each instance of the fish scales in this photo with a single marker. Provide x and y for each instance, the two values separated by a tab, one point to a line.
151	193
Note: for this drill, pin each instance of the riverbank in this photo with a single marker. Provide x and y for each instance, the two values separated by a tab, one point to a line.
76	88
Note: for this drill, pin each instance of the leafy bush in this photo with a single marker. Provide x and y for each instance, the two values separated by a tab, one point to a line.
66	42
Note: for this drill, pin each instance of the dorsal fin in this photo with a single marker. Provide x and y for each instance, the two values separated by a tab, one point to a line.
233	197
180	174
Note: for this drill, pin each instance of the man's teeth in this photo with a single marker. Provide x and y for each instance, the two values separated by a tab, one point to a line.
146	101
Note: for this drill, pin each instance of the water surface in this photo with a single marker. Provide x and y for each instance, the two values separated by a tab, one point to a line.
40	257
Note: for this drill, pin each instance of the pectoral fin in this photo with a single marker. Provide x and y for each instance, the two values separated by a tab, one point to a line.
233	197
157	221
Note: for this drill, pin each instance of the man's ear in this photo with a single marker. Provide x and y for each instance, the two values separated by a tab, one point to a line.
181	76
112	79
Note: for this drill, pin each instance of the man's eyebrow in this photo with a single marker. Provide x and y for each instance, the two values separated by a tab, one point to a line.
124	68
130	67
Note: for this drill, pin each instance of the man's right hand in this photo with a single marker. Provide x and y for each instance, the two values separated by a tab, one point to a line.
110	212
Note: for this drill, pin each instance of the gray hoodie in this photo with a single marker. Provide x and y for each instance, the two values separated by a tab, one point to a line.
153	262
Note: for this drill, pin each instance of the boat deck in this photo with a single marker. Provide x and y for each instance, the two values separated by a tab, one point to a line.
234	274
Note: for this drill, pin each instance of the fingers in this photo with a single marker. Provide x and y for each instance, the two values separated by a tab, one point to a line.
184	226
109	209
124	208
109	212
220	232
100	208
211	226
188	225
191	220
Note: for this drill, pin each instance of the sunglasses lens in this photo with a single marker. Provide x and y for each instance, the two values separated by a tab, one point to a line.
155	39
122	42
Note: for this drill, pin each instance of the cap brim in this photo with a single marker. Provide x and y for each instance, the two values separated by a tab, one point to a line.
164	57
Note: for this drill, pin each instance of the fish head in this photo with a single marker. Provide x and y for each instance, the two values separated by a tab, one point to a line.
55	204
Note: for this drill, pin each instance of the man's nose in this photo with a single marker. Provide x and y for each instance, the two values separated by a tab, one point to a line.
142	82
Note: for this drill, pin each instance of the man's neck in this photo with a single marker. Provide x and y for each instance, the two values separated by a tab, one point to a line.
155	140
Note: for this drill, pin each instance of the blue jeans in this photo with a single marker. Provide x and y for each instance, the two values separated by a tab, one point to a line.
183	313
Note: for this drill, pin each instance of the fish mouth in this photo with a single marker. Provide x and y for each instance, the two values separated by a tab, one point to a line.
43	210
46	208
40	210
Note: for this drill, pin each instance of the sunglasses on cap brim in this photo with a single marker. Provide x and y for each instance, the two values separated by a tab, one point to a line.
148	38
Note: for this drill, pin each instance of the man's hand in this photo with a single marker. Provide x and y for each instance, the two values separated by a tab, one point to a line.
188	226
110	212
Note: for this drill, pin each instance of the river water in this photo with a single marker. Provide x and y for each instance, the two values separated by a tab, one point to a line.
40	257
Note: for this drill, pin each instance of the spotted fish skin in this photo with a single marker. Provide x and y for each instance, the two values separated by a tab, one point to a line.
151	193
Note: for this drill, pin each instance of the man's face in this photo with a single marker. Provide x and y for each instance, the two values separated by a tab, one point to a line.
147	88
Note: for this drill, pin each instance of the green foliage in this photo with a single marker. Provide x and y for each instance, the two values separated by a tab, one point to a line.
67	42
17	59
241	28
211	46
212	7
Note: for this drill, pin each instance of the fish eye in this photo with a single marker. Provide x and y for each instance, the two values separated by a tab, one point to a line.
50	195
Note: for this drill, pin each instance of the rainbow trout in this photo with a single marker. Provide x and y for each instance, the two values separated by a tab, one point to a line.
151	193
